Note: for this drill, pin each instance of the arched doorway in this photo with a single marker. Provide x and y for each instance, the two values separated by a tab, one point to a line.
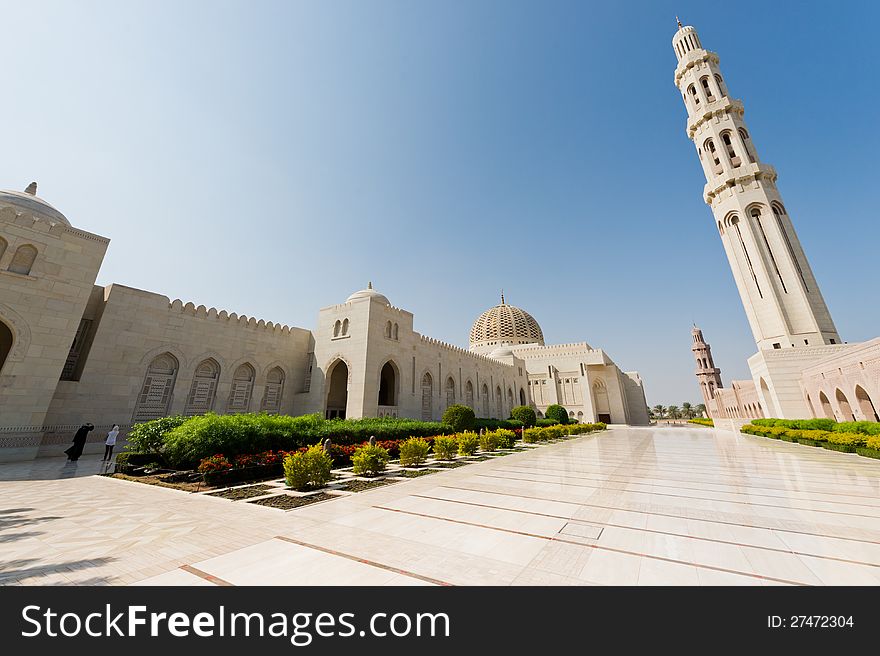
600	398
846	413
5	343
427	397
866	405
522	396
337	390
826	406
388	385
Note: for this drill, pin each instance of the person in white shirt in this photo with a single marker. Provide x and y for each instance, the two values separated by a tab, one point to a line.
110	442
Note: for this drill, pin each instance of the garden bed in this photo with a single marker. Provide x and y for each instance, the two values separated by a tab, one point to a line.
415	473
159	481
357	485
449	464
868	452
248	492
288	502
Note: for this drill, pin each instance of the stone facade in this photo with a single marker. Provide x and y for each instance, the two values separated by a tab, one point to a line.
71	352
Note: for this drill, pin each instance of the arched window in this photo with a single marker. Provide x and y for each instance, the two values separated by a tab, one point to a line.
3	245
427	397
720	84
469	394
499	409
345	326
242	388
394	333
731	153
337	328
745	139
778	212
450	392
709	146
522	396
23	260
203	389
271	402
6	340
695	98
388	328
706	88
155	397
509	399
485	394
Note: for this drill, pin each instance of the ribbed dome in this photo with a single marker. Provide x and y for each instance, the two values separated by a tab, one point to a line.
504	325
27	201
369	292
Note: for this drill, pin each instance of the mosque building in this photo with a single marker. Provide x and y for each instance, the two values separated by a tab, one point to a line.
802	368
72	351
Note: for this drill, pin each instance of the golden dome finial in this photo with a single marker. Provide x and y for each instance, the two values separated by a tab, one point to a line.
502	297
370	285
679	23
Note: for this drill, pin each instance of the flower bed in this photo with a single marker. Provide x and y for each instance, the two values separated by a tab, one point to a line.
289	502
356	485
239	493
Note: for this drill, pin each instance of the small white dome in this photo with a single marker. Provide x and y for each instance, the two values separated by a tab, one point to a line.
27	201
369	292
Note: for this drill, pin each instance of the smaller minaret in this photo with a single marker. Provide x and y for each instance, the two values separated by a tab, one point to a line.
708	375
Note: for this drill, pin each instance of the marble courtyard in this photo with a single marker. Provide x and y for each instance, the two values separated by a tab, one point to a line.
630	506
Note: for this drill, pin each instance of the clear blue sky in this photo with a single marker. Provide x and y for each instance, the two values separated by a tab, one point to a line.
269	158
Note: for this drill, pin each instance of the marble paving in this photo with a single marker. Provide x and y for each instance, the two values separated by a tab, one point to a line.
675	505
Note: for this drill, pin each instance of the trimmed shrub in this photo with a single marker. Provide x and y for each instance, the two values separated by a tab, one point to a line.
459	417
489	441
850	440
557	413
413	451
506	438
701	422
495	424
468	443
149	436
445	448
305	469
369	460
524	415
863	427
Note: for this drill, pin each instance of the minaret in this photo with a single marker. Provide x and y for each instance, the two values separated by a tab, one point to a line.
781	298
708	375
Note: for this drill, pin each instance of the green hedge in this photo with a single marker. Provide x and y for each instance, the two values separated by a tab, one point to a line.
460	417
845	437
702	422
205	435
495	424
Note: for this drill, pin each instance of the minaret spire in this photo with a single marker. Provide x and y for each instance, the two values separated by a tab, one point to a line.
776	285
502	297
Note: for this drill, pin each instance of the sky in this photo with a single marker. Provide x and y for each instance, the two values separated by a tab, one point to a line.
269	158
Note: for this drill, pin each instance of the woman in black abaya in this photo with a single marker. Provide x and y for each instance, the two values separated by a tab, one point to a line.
79	441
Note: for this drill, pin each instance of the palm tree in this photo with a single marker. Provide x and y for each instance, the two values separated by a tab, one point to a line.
687	410
700	409
658	411
673	412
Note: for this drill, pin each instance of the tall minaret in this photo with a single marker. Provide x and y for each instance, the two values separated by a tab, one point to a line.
708	375
781	298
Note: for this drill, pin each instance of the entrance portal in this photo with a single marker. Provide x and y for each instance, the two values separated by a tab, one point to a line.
337	393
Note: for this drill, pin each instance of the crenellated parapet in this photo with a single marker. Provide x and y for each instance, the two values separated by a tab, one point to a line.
242	320
430	341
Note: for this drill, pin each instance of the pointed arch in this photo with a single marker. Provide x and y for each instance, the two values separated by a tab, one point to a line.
3	246
522	396
345	324
484	393
336	399
154	399
273	390
499	410
450	391
827	410
389	383
337	328
469	394
427	397
866	404
843	405
6	341
203	389
242	388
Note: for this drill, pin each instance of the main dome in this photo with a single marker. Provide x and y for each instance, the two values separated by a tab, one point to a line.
504	325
